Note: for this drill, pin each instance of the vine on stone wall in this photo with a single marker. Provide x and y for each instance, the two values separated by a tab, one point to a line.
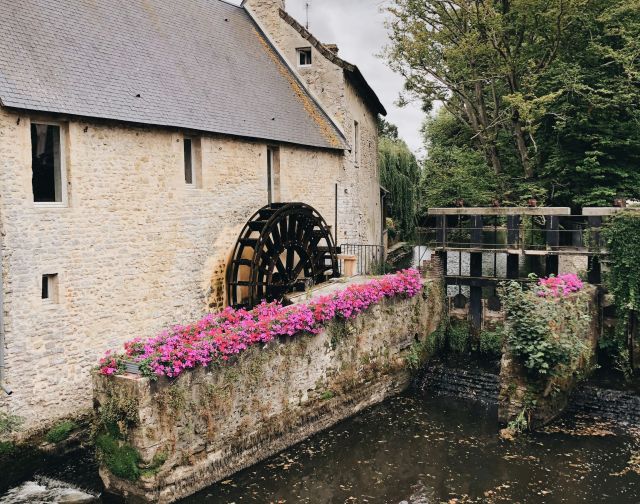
622	241
545	333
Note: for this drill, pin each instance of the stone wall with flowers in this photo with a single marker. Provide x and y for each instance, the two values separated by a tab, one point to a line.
551	337
234	388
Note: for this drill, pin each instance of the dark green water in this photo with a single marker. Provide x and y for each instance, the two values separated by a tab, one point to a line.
419	449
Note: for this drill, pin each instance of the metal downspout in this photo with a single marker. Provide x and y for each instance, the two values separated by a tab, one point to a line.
6	389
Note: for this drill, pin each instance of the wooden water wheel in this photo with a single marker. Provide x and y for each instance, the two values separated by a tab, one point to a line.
284	248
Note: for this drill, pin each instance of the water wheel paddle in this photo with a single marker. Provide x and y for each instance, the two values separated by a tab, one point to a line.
284	248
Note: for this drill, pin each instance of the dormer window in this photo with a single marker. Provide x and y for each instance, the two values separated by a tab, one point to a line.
304	56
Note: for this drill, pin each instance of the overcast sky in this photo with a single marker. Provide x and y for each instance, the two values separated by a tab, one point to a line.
357	26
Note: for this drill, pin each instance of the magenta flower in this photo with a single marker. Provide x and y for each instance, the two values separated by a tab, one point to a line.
559	286
220	337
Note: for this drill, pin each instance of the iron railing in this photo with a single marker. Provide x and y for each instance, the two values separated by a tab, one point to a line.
370	258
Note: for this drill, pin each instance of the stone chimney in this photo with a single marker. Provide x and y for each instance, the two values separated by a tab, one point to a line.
332	47
263	7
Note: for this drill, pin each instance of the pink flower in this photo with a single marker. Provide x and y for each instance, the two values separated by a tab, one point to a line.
221	336
559	286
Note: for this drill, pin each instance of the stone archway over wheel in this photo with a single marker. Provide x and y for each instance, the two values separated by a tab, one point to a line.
284	248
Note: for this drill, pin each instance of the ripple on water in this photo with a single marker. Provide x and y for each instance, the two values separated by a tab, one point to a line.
47	490
416	449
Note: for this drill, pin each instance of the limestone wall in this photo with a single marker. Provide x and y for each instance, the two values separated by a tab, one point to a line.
210	423
135	249
359	182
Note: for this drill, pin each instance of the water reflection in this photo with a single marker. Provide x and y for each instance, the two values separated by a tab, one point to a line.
414	449
430	450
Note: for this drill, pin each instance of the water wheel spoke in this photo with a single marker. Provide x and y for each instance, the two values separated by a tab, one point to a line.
278	252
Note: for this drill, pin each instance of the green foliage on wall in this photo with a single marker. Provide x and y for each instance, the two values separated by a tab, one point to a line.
546	334
6	448
622	241
61	431
121	458
9	423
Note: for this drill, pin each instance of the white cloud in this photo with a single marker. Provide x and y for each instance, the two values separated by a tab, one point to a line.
357	27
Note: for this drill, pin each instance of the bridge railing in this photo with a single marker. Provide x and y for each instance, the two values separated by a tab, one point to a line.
533	240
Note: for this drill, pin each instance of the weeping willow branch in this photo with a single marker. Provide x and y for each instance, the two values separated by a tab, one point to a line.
400	174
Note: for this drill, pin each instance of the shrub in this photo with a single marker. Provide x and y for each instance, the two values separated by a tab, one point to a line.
61	431
544	332
491	342
622	239
458	337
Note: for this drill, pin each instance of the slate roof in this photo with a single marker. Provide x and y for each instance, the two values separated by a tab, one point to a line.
194	64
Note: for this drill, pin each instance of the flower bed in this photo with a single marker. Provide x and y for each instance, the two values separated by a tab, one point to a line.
559	286
219	337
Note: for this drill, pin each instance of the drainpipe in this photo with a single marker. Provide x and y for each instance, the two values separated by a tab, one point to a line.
4	388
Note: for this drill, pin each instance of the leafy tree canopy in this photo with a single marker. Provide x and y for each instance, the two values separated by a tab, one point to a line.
546	92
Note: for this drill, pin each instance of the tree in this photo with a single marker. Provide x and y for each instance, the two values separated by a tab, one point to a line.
387	129
400	175
480	58
454	170
548	89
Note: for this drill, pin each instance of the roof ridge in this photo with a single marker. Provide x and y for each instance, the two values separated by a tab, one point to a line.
231	4
353	71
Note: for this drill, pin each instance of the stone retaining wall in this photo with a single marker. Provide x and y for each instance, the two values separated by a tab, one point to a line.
210	423
544	399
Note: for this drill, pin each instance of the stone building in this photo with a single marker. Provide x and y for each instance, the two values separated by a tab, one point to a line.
136	139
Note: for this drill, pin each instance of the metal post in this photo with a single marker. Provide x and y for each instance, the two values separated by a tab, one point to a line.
335	215
475	301
553	241
595	272
513	237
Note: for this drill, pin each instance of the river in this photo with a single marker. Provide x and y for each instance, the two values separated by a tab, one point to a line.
413	449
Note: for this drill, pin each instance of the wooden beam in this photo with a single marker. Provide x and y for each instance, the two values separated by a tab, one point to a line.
605	211
501	211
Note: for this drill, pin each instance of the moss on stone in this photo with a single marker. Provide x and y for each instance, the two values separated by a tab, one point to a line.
6	448
61	431
121	458
327	394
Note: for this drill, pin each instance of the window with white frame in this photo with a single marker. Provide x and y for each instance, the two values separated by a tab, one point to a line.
48	171
50	287
304	56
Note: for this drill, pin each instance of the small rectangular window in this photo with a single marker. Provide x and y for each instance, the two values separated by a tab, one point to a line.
356	142
188	161
48	173
273	174
193	162
304	56
50	287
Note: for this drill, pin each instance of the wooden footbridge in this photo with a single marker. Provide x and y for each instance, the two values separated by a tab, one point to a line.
541	240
